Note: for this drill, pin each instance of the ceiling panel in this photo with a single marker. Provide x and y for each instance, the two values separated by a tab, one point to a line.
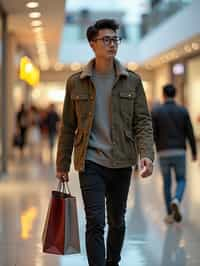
52	16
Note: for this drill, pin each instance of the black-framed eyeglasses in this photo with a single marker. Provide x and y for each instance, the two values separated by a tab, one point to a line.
107	40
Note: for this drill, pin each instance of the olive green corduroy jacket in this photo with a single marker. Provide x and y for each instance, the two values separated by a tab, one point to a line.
131	129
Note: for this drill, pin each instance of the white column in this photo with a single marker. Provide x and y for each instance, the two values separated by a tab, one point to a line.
11	78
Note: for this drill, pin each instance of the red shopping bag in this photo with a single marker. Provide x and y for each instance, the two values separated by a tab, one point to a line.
61	233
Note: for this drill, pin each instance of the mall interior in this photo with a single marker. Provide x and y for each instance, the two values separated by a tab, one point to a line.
43	42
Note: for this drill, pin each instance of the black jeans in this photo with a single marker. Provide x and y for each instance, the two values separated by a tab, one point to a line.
97	184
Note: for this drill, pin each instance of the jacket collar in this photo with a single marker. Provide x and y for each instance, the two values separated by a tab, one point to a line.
119	69
169	100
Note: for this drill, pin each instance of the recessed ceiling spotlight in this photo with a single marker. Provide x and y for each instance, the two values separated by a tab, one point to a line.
178	69
35	15
37	29
32	4
36	23
148	66
132	66
187	49
195	46
58	66
75	66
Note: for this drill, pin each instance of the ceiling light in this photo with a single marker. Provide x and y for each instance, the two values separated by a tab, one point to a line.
36	23
195	46
44	64
42	49
37	29
39	36
132	66
178	69
187	49
176	56
75	66
34	14
41	43
58	66
32	4
148	66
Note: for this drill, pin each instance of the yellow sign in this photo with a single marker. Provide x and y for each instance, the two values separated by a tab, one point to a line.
28	72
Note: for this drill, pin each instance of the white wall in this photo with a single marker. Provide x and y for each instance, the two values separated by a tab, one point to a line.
161	77
193	92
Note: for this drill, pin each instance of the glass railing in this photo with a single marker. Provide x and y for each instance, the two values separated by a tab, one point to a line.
160	13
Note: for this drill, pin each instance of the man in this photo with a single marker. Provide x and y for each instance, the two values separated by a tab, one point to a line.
105	117
172	127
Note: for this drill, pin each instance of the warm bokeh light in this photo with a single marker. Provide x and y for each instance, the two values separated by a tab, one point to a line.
75	66
36	23
32	4
132	66
56	95
27	219
34	15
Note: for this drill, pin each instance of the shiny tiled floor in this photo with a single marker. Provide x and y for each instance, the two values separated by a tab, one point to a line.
24	197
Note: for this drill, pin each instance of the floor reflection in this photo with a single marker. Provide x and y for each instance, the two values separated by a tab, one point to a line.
174	253
24	199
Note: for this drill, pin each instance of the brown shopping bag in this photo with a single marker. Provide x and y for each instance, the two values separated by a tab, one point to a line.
61	234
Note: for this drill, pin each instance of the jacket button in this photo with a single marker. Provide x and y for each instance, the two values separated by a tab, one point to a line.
90	113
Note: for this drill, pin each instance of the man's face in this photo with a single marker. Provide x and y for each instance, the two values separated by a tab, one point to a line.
105	44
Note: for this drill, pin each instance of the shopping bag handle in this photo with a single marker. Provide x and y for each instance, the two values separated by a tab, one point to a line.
63	187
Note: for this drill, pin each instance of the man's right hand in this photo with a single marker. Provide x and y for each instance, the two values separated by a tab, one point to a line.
62	176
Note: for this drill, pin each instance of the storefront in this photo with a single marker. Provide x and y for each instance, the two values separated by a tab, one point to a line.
186	78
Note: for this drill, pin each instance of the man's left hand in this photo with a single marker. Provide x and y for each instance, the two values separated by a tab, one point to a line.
146	166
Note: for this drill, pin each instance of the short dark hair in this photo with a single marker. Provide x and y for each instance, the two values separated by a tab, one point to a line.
92	31
169	90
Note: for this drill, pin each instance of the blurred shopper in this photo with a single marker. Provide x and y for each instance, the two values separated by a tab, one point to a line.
34	134
105	115
21	128
43	124
52	120
172	127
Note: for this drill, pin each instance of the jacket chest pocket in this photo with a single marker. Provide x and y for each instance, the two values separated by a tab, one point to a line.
126	99
82	104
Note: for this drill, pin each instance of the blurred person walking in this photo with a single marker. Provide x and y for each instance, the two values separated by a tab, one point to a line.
172	127
52	120
22	124
34	134
106	120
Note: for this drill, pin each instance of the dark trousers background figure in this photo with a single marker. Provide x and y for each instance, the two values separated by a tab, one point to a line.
178	164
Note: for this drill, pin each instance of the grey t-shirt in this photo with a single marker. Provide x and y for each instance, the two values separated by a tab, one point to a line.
100	141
